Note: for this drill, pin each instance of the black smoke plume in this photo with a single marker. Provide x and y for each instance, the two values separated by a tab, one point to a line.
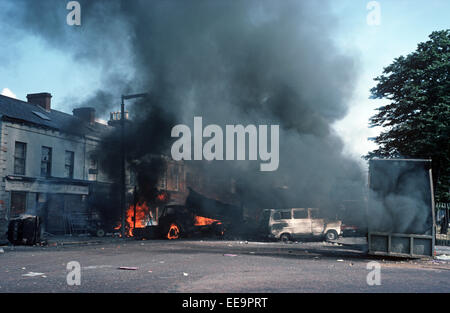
231	62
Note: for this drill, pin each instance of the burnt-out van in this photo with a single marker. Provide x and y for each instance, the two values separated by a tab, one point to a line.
296	223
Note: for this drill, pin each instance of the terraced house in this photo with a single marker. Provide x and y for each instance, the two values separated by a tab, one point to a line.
47	166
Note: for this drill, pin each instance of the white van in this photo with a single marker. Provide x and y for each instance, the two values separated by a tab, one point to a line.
295	223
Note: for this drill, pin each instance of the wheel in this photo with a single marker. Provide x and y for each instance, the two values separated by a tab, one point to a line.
100	232
219	230
174	232
331	235
285	237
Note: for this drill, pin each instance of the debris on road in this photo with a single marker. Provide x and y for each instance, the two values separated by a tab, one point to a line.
32	274
185	274
340	260
230	255
127	268
1	250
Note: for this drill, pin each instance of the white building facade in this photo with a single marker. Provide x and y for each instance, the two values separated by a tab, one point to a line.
47	165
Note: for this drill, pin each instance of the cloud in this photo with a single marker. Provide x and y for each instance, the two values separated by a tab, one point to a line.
8	93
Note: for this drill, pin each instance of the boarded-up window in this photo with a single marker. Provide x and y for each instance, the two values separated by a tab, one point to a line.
20	154
18	203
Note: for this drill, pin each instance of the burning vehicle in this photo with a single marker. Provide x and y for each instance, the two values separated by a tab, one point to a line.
178	221
198	216
286	225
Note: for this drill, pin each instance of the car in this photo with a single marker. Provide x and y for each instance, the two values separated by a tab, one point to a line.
177	221
296	223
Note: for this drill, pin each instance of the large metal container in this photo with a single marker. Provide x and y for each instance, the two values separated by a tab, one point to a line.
401	208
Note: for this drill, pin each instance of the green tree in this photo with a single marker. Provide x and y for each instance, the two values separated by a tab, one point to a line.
416	122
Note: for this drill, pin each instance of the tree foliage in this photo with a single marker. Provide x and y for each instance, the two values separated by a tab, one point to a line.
416	122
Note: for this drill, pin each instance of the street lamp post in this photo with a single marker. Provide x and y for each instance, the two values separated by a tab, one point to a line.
123	191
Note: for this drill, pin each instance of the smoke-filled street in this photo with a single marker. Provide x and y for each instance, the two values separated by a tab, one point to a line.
215	266
224	147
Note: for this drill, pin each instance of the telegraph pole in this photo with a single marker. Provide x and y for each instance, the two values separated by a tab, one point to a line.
123	193
123	185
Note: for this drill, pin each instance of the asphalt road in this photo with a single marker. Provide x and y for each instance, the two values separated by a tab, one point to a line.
214	266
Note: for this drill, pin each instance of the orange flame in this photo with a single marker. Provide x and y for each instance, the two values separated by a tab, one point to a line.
174	232
142	215
203	221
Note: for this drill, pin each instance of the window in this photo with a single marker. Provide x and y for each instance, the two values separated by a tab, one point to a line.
18	203
300	214
20	154
276	216
68	169
162	184
315	213
46	162
174	178
286	215
93	169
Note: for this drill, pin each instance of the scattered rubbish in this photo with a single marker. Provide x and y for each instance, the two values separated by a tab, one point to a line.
162	262
252	252
127	268
351	264
1	250
340	260
185	274
32	274
443	257
230	255
94	267
150	271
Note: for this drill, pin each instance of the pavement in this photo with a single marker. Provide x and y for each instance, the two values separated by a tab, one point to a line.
218	266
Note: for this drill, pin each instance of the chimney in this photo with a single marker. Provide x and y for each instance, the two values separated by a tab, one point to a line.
44	100
85	114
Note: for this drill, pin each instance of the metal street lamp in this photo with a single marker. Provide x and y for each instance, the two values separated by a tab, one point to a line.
122	170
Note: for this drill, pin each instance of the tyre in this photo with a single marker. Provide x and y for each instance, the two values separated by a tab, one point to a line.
174	232
100	233
285	237
331	235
